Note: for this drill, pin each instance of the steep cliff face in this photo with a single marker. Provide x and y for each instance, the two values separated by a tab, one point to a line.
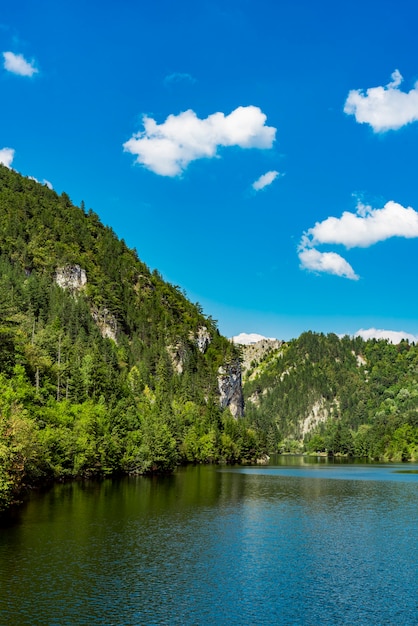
71	277
319	414
202	339
229	376
230	388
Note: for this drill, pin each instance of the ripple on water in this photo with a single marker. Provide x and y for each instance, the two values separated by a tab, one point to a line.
211	547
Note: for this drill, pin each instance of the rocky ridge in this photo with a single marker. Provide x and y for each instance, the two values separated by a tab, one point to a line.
254	353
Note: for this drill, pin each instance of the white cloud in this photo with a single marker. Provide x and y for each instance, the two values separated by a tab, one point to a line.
327	262
394	336
367	226
44	182
384	108
7	156
265	180
355	230
168	148
17	64
246	339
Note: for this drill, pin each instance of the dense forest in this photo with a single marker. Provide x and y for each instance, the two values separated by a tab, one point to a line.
104	367
325	394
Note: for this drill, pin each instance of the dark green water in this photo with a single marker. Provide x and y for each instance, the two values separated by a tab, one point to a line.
298	543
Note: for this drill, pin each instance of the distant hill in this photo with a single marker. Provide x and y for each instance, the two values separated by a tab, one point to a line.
321	393
104	366
256	352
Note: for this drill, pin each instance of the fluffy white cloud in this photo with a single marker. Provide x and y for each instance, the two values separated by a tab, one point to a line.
361	229
265	180
394	336
168	148
17	64
246	339
327	262
7	156
384	108
367	226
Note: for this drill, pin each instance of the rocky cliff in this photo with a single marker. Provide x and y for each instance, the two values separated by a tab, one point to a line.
71	277
254	353
230	388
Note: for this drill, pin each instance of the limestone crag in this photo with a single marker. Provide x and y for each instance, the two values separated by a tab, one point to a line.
71	277
319	414
230	388
254	353
106	322
177	354
202	339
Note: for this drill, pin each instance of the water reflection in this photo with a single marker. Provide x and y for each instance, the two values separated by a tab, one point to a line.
295	543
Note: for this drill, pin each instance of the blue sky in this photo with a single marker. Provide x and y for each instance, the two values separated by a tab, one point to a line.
261	155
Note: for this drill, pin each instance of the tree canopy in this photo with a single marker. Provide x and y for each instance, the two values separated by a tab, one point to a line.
341	395
101	366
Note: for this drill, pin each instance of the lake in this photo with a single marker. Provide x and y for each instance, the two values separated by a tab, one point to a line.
299	542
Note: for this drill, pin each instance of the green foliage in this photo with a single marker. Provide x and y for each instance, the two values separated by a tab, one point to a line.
340	396
74	399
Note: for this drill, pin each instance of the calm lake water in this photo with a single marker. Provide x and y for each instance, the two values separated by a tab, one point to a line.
296	543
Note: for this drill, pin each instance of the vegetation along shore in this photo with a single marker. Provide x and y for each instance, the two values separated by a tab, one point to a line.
105	368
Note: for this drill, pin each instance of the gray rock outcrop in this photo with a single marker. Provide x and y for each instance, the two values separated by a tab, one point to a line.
106	322
178	355
254	353
202	339
230	388
71	277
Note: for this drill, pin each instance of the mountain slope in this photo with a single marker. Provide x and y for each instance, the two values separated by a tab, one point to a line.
104	366
341	395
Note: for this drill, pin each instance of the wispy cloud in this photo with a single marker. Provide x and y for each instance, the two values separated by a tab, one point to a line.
394	336
6	156
265	180
17	64
179	77
168	148
384	108
43	182
355	230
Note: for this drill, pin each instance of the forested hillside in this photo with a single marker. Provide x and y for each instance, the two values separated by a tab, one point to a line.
104	367
344	395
